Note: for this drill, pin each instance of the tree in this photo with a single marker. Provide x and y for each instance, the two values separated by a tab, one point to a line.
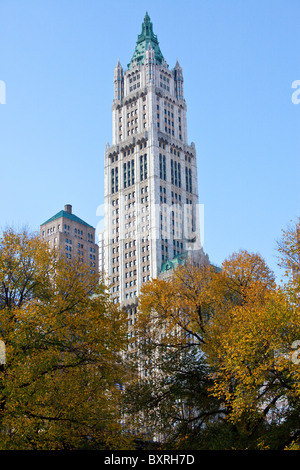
217	347
170	400
249	351
60	387
289	257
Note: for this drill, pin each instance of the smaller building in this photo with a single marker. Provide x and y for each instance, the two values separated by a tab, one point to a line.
72	236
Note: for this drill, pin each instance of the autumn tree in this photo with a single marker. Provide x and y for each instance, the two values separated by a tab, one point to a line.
289	257
249	350
218	369
170	398
60	387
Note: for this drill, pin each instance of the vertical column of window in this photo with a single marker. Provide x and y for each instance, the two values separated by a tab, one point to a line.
166	120
179	175
175	173
173	223
149	72
125	175
116	179
172	171
141	168
186	178
119	87
179	87
190	181
128	173
172	122
132	171
112	180
145	167
149	63
160	166
179	126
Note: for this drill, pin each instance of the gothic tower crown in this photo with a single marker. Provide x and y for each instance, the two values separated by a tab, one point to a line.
145	39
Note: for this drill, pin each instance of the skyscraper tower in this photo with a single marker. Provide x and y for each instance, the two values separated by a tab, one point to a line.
151	186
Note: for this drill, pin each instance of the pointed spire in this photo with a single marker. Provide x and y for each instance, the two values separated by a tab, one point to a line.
178	80
144	39
118	68
118	81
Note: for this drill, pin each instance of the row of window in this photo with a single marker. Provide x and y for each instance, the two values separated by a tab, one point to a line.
128	152
134	87
133	78
131	244
51	230
174	151
130	264
144	239
164	78
129	284
130	254
67	230
128	275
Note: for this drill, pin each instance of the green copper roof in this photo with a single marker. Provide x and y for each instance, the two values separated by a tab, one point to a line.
173	263
67	215
144	39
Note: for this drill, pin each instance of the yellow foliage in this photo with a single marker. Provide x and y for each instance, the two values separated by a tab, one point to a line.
60	386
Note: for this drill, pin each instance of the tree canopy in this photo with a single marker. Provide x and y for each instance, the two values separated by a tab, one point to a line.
60	387
216	349
215	362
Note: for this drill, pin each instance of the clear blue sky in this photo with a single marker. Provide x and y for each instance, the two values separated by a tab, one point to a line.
239	59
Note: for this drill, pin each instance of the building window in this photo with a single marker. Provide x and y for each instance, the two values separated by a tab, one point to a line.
114	179
186	178
143	167
190	181
162	167
128	173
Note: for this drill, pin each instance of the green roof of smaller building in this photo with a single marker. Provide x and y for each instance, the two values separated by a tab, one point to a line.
173	263
146	38
67	215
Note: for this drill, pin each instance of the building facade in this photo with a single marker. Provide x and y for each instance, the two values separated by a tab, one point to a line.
151	184
72	237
